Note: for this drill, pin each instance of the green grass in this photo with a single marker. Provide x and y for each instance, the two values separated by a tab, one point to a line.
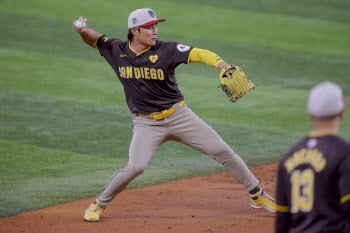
78	79
268	66
250	28
337	10
34	177
63	113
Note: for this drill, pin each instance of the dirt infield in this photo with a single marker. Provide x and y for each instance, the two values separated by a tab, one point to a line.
212	203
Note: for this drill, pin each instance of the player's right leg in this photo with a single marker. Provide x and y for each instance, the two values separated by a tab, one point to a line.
197	134
146	139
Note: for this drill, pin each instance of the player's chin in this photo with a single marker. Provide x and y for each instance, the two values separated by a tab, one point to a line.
153	42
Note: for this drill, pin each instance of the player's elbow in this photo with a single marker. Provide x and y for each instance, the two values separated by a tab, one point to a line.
93	45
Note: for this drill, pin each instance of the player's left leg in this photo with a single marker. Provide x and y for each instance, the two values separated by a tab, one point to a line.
148	135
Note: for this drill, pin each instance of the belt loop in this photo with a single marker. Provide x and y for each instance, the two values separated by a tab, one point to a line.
181	103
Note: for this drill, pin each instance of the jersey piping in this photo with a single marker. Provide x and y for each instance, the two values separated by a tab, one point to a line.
96	44
320	133
283	209
137	54
345	199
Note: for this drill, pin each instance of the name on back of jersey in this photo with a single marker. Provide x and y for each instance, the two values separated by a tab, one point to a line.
313	157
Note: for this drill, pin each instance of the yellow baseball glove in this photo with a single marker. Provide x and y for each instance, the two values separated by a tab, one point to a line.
238	85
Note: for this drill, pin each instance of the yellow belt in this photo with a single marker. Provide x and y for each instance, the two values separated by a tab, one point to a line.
162	114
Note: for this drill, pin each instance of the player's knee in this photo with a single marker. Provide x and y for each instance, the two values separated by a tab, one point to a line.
223	151
225	155
136	169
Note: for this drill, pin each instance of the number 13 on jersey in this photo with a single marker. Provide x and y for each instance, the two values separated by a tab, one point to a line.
302	190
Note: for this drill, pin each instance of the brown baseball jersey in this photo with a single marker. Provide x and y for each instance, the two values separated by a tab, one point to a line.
148	77
313	189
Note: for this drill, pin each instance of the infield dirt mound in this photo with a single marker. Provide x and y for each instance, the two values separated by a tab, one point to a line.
211	203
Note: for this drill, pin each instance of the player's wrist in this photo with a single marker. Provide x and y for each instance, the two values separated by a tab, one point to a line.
221	65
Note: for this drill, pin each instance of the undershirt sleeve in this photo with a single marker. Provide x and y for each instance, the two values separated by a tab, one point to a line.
204	56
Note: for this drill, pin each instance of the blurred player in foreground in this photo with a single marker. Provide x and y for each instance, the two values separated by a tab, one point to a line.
313	189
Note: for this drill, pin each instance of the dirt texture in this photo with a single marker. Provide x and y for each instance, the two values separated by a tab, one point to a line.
211	203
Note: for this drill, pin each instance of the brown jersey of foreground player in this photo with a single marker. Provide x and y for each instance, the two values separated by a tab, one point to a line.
313	190
146	68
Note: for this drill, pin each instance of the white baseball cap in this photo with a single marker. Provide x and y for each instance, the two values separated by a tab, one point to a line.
325	100
142	17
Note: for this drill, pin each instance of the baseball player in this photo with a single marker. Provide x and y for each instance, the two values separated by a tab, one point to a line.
313	189
146	68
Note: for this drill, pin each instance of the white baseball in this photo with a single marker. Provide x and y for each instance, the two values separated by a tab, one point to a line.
79	24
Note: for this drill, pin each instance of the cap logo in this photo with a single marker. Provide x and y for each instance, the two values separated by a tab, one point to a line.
153	58
151	13
134	20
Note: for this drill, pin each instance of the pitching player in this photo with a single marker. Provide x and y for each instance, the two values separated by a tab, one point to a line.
313	190
146	68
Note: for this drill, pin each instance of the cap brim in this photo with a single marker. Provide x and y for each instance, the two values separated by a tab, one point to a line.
152	22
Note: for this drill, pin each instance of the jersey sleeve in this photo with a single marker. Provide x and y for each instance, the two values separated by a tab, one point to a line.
344	181
282	192
282	200
181	53
104	44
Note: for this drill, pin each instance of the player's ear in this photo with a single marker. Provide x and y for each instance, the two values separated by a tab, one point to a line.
342	112
135	31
